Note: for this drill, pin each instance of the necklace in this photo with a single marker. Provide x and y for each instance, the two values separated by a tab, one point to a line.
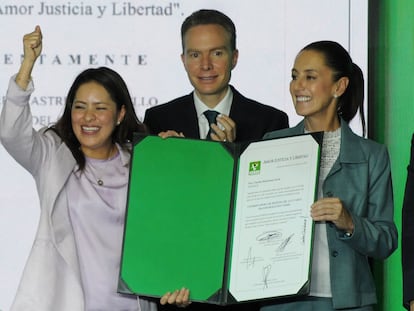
95	168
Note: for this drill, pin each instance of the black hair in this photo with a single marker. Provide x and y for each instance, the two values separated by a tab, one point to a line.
118	91
339	60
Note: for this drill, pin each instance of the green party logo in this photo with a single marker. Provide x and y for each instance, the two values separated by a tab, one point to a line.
254	168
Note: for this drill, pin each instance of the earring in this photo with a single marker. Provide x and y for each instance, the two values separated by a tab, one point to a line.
118	123
335	96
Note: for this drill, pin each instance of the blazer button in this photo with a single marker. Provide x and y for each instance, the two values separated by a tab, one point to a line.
334	253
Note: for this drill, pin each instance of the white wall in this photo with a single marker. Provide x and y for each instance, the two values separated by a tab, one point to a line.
146	50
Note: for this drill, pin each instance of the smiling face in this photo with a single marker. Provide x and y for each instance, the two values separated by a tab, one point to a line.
313	89
209	60
94	118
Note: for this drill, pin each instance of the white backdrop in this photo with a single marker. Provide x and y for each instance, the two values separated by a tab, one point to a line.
141	40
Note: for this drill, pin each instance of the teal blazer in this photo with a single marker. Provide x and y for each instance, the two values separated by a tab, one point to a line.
361	179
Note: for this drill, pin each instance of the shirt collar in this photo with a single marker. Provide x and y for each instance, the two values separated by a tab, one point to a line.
223	107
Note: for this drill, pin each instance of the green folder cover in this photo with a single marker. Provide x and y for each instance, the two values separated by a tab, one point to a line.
179	218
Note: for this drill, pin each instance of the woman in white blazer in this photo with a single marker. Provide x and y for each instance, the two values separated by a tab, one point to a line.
80	165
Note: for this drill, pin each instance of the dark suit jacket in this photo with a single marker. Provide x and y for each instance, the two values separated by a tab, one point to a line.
408	233
252	119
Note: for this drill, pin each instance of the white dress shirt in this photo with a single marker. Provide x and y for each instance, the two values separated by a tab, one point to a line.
223	107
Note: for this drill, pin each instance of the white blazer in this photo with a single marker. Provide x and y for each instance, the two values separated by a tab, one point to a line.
51	278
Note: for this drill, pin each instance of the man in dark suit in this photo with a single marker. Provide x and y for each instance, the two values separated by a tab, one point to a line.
407	239
209	55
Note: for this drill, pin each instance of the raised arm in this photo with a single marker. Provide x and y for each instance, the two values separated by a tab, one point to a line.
32	46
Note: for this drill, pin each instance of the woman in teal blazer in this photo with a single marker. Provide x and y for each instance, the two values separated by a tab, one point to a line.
354	211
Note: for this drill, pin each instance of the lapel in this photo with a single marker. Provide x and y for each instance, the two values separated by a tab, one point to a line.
350	151
188	117
237	108
61	167
291	131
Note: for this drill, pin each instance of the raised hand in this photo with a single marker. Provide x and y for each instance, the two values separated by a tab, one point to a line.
32	46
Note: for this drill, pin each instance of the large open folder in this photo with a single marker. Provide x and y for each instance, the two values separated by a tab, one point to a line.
231	222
